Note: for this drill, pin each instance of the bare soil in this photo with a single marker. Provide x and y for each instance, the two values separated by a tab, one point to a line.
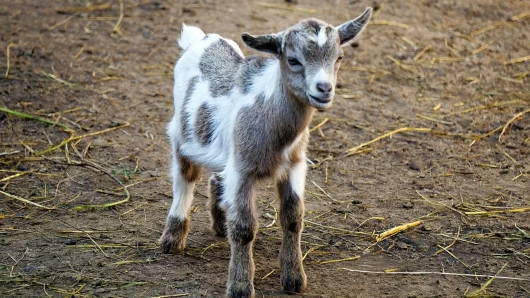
449	66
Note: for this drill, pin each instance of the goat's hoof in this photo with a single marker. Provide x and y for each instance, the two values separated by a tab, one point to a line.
170	244
240	290
173	238
219	229
294	283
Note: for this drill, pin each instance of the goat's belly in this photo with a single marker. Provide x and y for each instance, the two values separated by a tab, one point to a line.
211	157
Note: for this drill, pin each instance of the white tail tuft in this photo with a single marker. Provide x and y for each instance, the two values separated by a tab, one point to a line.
189	35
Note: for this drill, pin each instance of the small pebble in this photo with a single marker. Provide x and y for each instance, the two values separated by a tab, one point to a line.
70	242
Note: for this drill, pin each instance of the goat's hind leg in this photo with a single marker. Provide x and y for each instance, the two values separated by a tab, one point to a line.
217	214
184	173
291	193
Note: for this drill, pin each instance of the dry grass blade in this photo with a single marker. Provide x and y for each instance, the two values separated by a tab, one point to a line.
512	120
386	135
14	176
515	210
27	116
84	9
435	273
7	56
74	138
116	28
170	296
25	200
396	230
482	290
340	260
389	23
319	125
286	7
425	49
518	60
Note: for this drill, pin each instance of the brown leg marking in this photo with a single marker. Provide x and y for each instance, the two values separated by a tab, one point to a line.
173	238
242	227
293	278
217	214
189	170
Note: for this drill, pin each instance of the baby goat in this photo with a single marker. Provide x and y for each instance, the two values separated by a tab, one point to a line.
247	119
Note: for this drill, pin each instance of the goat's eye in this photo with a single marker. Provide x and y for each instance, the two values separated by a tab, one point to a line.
293	62
340	58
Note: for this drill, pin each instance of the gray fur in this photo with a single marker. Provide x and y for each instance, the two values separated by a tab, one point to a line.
251	67
204	124
219	65
217	214
184	116
260	153
293	278
242	227
261	133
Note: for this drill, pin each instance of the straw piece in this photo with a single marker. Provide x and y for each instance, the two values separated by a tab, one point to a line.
131	262
435	273
14	176
389	23
56	78
74	138
479	292
27	116
481	48
396	230
285	7
319	125
340	260
388	134
84	9
268	274
7	56
515	210
25	200
425	49
512	120
518	60
116	28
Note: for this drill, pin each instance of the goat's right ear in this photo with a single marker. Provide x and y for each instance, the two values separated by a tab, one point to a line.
270	43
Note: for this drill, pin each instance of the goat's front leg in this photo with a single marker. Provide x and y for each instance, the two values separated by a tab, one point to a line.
242	226
291	193
184	173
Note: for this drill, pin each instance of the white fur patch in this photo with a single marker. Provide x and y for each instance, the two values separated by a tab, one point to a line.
182	193
297	177
190	35
269	81
322	38
321	77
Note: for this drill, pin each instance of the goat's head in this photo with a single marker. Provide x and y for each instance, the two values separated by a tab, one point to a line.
310	54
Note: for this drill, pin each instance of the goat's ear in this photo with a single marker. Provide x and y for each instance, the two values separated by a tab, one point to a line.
349	30
270	43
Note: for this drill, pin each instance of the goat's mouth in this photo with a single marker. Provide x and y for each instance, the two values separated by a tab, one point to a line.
320	103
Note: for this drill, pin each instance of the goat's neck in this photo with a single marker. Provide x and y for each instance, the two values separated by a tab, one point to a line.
293	111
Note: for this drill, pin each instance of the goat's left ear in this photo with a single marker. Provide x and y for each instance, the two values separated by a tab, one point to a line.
270	43
349	30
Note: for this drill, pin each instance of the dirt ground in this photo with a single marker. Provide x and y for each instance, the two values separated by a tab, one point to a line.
455	73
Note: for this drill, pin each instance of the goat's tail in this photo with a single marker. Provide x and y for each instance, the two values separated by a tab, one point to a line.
189	35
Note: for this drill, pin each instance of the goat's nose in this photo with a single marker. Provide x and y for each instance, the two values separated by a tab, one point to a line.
324	87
